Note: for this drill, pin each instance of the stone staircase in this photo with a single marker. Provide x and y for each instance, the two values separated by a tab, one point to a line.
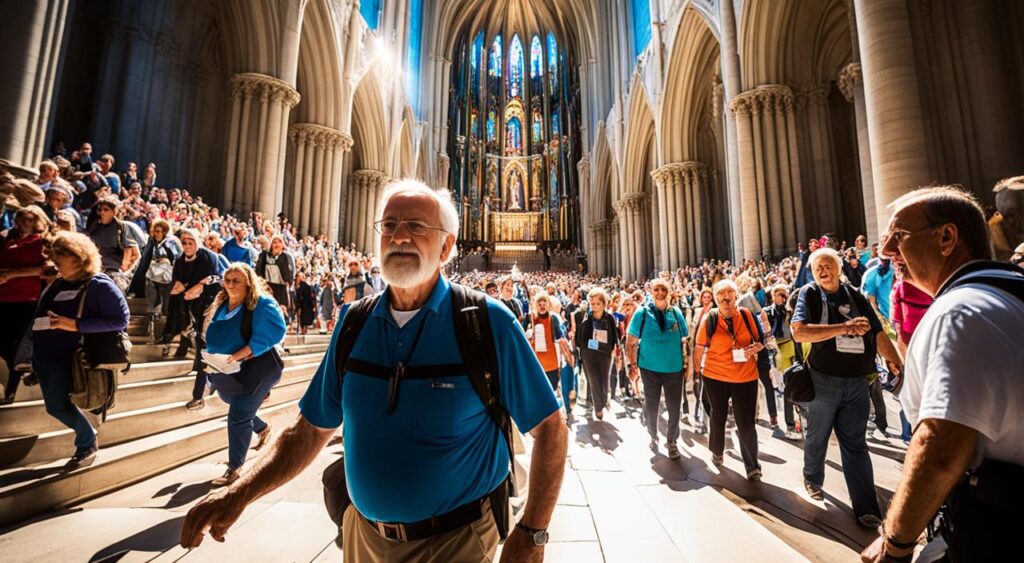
148	432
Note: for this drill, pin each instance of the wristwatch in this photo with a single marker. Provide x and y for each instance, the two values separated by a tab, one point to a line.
539	537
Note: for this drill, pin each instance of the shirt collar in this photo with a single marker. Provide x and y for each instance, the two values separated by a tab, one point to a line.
438	296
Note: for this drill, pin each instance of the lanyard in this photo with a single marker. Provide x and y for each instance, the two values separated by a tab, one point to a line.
396	376
729	328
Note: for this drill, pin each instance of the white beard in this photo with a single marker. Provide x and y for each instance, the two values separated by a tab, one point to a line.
405	271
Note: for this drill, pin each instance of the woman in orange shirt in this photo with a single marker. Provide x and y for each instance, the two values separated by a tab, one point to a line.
728	360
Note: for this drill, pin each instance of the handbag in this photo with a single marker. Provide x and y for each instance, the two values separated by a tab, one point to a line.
92	389
797	381
160	271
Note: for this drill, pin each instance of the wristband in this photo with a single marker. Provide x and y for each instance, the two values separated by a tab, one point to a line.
891	540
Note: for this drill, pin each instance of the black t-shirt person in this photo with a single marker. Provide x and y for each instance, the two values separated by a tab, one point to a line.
845	304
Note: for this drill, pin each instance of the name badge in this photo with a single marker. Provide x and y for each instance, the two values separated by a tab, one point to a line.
67	295
850	344
601	336
593	344
540	342
739	356
41	323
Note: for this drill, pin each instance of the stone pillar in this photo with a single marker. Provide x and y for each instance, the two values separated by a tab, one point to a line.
256	183
317	177
852	86
732	81
770	171
583	169
344	144
665	219
298	137
369	185
892	101
33	35
622	229
820	127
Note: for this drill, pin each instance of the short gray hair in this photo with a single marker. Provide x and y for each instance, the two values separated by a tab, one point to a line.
723	285
950	204
449	215
825	252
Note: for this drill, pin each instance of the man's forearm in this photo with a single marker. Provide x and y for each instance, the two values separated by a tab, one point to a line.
547	468
631	348
286	457
935	461
816	333
887	350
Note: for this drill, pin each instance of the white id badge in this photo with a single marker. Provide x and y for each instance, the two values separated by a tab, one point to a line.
739	356
41	323
601	336
66	295
593	344
850	344
540	341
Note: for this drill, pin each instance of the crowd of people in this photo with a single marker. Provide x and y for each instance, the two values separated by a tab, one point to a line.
165	245
82	239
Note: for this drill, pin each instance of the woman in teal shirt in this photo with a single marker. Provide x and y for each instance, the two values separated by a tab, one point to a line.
654	347
244	322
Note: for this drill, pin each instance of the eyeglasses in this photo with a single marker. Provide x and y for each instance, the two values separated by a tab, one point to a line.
388	227
899	235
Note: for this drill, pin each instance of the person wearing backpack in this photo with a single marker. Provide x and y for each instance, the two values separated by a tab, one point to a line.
728	343
845	336
655	347
62	316
963	386
427	377
117	249
244	322
597	337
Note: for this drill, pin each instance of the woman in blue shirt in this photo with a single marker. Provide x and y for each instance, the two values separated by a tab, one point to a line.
245	322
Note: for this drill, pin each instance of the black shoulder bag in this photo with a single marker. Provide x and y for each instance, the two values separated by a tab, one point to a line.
797	384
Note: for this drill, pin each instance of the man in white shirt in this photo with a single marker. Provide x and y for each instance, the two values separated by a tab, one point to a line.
964	388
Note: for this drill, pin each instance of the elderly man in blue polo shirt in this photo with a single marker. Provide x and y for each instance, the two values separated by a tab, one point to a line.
437	451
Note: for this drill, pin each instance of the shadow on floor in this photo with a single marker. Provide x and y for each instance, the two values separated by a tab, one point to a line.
598	433
23	475
155	539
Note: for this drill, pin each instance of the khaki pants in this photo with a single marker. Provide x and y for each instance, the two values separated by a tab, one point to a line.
471	543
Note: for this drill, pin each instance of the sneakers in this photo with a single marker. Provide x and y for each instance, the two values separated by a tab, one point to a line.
82	458
814	491
229	476
673	450
702	428
869	521
793	435
195	404
685	419
166	351
654	445
774	422
717	460
754	475
262	438
879	435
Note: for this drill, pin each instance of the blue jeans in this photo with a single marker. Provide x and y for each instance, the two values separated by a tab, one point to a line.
242	419
56	385
842	404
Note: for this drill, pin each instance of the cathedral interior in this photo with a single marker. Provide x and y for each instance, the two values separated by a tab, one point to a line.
647	134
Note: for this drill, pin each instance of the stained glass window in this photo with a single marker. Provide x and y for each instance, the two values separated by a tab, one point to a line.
536	58
538	126
491	131
494	68
514	136
553	61
640	14
515	68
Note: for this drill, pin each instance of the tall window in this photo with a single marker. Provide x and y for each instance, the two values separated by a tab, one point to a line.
536	58
515	68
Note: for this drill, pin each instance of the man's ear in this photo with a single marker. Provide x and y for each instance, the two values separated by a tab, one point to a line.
949	235
447	246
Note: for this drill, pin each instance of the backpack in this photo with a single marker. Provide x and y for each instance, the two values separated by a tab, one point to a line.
95	365
1009	278
480	361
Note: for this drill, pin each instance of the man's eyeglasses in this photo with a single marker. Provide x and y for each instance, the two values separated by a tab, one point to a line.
899	235
388	227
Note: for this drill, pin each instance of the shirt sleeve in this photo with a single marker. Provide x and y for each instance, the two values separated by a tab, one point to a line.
869	283
802	311
951	391
702	332
321	404
525	391
127	239
268	326
682	324
896	306
634	322
106	309
557	330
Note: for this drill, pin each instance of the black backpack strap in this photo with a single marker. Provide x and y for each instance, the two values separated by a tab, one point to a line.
712	324
476	345
759	335
351	326
246	328
1007	277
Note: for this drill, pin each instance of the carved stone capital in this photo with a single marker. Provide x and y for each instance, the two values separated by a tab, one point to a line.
849	78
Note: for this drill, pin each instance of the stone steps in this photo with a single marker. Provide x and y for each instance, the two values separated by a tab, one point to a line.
147	371
27	418
122	427
25	493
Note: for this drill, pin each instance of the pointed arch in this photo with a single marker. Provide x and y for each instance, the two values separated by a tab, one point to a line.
692	67
319	78
640	132
369	134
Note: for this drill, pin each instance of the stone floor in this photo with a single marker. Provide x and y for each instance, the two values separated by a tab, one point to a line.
619	502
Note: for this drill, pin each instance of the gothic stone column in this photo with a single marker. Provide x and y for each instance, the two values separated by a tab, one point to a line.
851	84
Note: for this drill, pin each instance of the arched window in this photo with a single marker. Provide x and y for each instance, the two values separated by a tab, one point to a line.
536	58
494	68
553	61
515	68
